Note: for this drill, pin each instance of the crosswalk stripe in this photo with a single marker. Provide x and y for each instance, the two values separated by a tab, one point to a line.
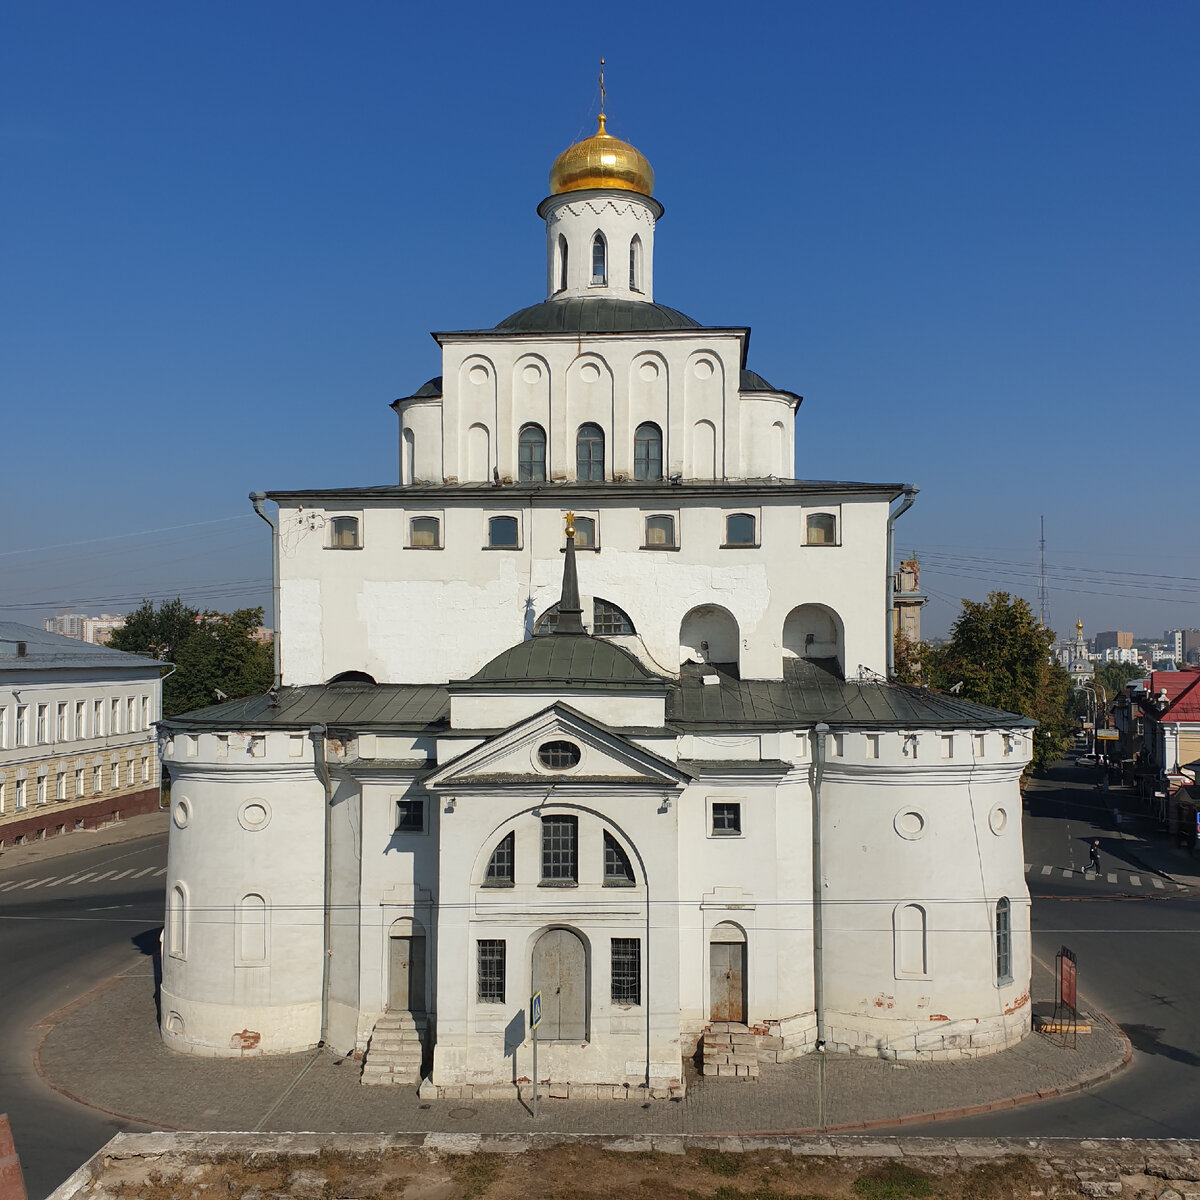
122	875
1154	879
100	877
37	883
4	887
1067	872
160	871
1136	880
144	871
1047	870
1111	877
1028	868
82	878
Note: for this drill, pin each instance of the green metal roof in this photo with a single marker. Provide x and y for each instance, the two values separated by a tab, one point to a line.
571	660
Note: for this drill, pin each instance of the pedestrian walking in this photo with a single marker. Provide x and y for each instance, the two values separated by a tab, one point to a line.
1094	856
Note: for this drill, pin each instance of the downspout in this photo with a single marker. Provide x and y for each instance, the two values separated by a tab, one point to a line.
317	734
257	499
820	732
910	494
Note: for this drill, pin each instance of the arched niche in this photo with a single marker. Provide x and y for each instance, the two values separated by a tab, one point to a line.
813	631
704	450
479	454
407	973
709	634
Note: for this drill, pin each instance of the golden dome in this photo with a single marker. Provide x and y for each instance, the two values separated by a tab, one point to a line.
601	161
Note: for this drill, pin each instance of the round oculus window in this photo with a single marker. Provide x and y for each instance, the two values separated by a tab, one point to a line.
559	756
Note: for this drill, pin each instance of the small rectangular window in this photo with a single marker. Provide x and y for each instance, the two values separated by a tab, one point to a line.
490	955
79	781
3	728
503	533
344	534
410	816
43	731
627	970
560	850
145	712
41	789
114	716
19	795
60	723
424	533
726	818
22	725
116	776
820	529
80	719
130	715
660	533
146	769
97	718
97	780
60	785
741	529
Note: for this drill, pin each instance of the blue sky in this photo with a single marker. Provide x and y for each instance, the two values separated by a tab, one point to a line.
966	233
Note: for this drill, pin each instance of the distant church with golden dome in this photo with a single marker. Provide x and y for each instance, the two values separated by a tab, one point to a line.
587	721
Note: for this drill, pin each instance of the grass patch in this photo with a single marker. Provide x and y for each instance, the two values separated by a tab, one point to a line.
720	1163
892	1181
476	1173
999	1177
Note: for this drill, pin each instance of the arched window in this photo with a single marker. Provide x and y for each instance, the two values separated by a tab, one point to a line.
821	529
500	865
562	263
1003	941
351	679
909	929
343	533
531	454
502	533
589	454
424	533
618	870
635	264
660	533
609	621
740	530
585	533
252	929
647	452
599	260
177	923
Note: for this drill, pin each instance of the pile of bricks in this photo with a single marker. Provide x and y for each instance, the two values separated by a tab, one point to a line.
729	1050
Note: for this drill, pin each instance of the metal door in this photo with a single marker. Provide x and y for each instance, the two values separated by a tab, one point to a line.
560	974
406	974
727	970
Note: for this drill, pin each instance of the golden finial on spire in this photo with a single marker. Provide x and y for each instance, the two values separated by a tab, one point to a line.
571	515
1078	627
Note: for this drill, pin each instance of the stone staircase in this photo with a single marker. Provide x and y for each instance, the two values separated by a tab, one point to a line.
394	1052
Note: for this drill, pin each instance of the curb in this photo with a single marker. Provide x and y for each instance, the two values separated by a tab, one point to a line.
78	841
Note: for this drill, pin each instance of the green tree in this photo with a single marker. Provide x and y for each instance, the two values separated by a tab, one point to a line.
1113	676
211	651
1001	656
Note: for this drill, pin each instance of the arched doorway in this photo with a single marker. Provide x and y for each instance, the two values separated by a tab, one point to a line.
727	973
406	966
560	974
815	632
709	634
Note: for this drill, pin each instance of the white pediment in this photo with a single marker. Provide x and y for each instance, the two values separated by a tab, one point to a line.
514	757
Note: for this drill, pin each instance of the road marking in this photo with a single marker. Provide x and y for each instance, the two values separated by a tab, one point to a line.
1047	870
1111	877
1028	868
37	883
122	875
1136	880
82	878
8	886
100	877
160	871
1154	879
144	871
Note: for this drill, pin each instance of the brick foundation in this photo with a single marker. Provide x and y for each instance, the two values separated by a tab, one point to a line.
93	813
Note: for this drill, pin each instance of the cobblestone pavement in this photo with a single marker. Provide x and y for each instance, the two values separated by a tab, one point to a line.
105	1050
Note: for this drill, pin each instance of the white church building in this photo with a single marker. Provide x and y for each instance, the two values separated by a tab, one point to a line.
594	703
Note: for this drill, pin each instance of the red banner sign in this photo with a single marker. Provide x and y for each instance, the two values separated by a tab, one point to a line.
1066	982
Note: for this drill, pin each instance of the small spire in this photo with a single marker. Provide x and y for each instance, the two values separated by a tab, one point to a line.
569	609
603	93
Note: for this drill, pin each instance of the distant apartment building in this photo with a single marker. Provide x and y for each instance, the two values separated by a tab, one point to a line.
77	739
1113	639
1121	654
96	630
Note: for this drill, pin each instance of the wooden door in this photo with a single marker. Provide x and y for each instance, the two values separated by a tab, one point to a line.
560	974
727	971
406	974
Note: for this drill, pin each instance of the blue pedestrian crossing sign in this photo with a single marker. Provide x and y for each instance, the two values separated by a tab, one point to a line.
535	1010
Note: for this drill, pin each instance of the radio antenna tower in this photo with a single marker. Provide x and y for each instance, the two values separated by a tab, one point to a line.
1043	601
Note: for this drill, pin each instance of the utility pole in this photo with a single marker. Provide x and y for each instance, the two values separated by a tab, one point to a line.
1043	602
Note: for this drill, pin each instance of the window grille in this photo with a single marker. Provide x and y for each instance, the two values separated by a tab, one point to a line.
726	818
1003	941
410	816
627	970
609	621
618	870
491	956
531	454
589	454
500	865
560	842
559	756
548	621
647	452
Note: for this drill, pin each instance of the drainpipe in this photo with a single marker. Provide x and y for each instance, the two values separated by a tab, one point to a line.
820	732
317	734
910	494
257	499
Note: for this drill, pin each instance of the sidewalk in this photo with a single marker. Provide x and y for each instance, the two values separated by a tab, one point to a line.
135	1076
72	842
1138	837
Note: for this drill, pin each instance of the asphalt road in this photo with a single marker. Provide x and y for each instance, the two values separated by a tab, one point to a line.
57	941
1138	947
